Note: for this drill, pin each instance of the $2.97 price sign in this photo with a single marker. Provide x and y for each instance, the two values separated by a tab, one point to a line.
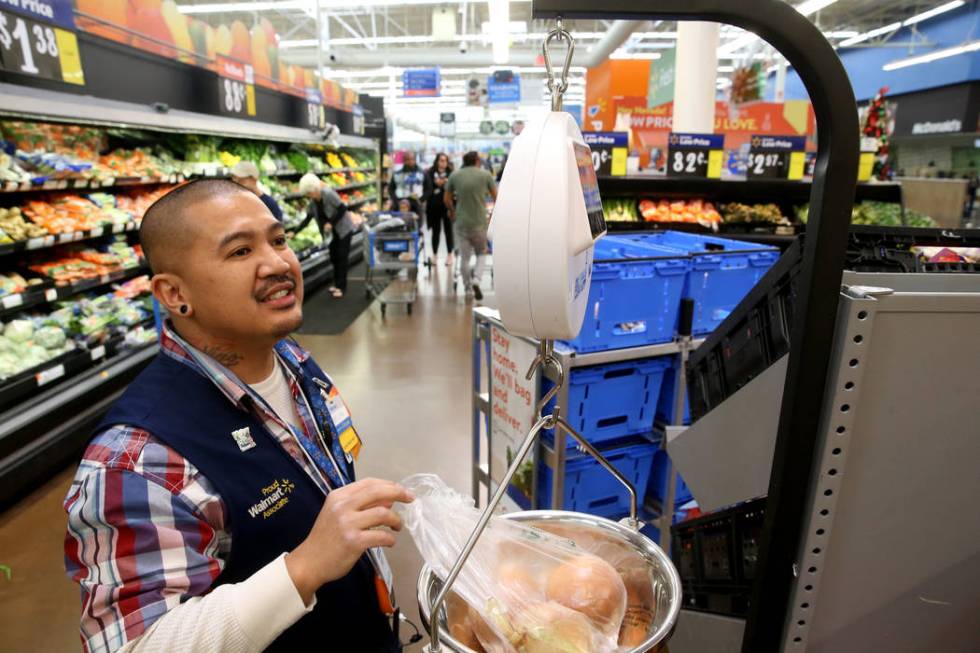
236	88
29	47
776	157
695	155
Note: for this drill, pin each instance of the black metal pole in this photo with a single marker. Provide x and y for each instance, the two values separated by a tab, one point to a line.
831	198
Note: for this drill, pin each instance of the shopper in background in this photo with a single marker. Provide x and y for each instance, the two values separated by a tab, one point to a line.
216	508
436	212
331	215
408	182
246	173
466	195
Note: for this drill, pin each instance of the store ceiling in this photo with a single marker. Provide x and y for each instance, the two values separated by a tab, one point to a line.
367	43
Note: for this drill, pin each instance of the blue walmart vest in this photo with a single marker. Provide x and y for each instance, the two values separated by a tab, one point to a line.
271	502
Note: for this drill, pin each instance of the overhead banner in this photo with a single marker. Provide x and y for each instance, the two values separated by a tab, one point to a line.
661	86
422	82
504	87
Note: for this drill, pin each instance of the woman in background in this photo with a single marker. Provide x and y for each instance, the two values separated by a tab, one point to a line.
436	213
331	215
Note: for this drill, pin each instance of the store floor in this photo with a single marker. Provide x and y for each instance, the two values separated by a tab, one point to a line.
406	380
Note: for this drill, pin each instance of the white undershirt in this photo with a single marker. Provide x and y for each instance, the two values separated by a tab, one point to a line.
275	390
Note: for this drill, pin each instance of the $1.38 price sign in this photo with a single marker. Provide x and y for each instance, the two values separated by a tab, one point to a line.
236	88
776	157
30	47
695	155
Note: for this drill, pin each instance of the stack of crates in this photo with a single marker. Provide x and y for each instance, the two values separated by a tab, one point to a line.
638	282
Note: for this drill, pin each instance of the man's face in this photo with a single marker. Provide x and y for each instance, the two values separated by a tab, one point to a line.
409	159
241	277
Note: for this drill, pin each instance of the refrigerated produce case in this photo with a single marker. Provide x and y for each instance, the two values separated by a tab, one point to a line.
76	173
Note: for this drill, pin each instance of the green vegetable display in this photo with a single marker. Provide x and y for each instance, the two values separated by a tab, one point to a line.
882	214
620	209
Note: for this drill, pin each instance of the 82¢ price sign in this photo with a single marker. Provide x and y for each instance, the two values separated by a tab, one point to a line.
236	88
695	155
30	47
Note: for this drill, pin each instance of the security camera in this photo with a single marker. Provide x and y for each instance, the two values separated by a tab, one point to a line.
333	57
463	47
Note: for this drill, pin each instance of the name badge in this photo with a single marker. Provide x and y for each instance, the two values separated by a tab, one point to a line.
339	414
350	443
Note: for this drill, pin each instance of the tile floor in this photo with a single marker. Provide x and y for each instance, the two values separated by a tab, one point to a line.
406	380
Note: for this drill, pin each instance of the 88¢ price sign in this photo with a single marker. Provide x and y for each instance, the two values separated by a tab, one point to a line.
29	47
236	88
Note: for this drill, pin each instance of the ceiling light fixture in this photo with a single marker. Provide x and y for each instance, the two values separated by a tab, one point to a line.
861	38
935	11
650	56
813	6
300	5
972	46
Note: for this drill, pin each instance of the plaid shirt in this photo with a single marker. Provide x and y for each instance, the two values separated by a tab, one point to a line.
146	530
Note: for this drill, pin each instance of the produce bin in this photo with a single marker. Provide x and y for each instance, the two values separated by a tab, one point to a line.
722	272
612	401
591	489
634	298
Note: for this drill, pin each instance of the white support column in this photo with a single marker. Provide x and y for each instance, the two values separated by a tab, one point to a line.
780	94
695	77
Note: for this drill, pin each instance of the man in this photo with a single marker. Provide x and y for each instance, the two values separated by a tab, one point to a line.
466	196
408	183
197	519
246	173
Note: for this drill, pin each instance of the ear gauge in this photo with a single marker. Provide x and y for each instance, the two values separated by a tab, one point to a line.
183	309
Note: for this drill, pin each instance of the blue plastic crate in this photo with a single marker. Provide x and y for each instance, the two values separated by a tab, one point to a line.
665	406
591	489
721	273
634	297
612	401
657	487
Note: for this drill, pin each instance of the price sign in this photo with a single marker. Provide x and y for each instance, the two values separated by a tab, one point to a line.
777	157
357	111
33	48
609	152
315	116
695	155
236	88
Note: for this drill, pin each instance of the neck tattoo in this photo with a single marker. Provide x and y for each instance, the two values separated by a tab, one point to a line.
223	356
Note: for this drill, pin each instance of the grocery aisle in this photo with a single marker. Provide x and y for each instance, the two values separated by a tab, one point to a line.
406	381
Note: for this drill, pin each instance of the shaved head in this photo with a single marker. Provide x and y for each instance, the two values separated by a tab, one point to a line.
169	225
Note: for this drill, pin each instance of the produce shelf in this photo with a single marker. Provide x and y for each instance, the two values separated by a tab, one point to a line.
736	190
17	302
43	433
44	242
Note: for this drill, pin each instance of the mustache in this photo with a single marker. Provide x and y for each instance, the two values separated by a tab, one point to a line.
271	282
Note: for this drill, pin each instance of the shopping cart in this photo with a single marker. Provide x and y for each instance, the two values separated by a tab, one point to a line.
394	246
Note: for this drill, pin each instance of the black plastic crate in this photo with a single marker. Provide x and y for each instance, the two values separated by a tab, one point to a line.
757	333
717	557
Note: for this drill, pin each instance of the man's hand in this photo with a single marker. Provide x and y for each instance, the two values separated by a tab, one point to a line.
350	522
440	181
327	227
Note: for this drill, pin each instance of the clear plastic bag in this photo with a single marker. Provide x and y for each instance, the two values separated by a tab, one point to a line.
527	590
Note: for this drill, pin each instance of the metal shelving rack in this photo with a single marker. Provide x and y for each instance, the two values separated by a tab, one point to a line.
554	456
864	611
831	200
